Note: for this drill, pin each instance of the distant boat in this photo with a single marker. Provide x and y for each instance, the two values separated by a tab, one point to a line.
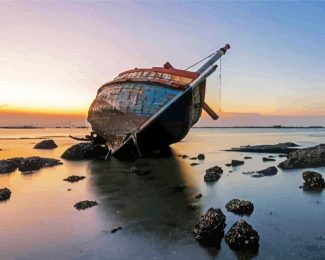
147	109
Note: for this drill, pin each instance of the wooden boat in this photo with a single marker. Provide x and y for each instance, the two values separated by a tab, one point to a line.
144	110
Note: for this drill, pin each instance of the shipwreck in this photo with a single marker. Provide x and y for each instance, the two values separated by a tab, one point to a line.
147	109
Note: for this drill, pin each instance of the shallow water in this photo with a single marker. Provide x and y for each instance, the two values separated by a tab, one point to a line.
39	221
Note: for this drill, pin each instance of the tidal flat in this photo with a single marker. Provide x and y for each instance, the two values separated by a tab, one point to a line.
152	215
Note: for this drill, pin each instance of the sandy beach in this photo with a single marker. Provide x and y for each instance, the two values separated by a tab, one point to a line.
39	220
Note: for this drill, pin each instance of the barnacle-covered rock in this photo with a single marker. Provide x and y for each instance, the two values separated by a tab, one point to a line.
5	194
46	144
35	163
305	158
10	165
74	178
313	180
213	174
84	151
242	237
210	229
85	204
241	207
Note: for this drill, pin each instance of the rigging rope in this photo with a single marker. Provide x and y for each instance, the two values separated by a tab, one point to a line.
200	61
220	90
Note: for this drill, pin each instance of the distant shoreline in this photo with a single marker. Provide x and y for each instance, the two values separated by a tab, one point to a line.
222	127
279	127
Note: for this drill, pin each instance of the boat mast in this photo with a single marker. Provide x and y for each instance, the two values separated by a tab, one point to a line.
214	58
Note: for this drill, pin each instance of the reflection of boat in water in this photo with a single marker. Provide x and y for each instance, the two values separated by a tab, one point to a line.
146	109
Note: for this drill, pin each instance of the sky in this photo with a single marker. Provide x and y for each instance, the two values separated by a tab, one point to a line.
54	56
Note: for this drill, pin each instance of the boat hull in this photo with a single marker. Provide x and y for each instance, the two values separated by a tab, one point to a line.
120	109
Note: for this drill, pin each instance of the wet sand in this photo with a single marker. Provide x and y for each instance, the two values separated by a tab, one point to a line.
39	221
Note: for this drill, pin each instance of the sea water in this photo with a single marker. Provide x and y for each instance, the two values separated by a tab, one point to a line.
40	222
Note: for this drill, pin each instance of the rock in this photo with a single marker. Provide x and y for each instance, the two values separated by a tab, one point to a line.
269	171
228	164
131	170
85	204
114	230
235	163
210	229
270	148
184	156
266	172
46	144
194	164
247	158
10	165
193	158
266	159
305	158
241	207
213	174
69	189
313	181
201	156
282	155
178	188
5	194
74	178
242	237
84	151
35	163
198	196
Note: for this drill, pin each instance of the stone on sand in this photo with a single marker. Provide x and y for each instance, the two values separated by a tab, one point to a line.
84	151
213	174
242	237
210	228
46	144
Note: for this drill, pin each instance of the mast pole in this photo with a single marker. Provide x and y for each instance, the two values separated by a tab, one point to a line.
214	58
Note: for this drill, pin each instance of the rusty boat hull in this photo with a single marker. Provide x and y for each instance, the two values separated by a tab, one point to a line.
147	109
121	108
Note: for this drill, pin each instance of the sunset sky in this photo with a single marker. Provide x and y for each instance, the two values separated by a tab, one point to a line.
54	55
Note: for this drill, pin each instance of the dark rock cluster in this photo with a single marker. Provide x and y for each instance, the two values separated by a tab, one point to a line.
194	164
241	207
114	230
46	144
210	228
305	158
201	156
5	194
84	151
35	163
85	204
10	165
235	163
74	178
27	164
313	181
242	237
266	159
270	171
270	148
213	174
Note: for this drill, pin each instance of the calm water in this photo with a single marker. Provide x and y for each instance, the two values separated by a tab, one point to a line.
39	221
